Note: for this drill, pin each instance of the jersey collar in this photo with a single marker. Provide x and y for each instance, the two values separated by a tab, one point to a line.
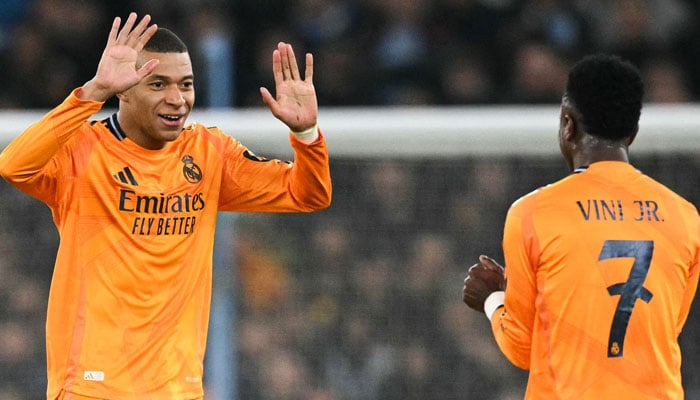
115	128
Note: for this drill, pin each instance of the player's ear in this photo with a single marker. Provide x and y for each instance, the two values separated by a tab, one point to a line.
569	125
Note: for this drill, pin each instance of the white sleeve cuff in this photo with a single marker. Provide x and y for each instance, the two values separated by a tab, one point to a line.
493	303
308	136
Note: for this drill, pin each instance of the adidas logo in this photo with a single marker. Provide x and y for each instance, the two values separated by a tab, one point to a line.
125	176
98	376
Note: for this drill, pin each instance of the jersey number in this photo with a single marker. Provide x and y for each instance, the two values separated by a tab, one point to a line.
630	291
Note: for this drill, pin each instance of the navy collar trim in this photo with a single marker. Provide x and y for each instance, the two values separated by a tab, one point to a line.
585	167
115	128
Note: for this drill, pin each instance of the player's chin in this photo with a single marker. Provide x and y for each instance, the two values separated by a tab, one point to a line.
168	135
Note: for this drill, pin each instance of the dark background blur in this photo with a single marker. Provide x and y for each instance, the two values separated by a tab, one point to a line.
368	52
361	301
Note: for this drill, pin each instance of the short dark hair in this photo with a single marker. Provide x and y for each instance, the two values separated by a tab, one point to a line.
165	41
608	92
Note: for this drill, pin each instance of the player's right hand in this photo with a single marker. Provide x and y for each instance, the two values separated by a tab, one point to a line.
117	70
483	278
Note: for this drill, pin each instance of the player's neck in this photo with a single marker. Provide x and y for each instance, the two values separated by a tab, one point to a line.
607	154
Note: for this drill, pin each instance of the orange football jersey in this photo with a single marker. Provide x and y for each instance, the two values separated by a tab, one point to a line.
601	269
129	302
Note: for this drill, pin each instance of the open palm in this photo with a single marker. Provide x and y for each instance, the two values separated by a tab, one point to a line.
295	103
117	70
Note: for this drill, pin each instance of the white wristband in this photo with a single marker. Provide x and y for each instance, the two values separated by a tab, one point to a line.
493	303
307	136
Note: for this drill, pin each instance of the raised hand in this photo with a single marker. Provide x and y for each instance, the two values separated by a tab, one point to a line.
483	278
295	103
117	70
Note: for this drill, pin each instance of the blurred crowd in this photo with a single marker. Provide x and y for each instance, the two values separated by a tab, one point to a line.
368	52
371	308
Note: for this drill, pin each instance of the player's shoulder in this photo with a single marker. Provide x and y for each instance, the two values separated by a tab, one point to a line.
90	131
198	127
529	199
202	131
665	191
545	194
196	132
549	189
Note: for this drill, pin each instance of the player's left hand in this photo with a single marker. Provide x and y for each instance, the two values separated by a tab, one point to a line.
483	278
295	103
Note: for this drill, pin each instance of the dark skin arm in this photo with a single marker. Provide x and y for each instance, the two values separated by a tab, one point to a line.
483	278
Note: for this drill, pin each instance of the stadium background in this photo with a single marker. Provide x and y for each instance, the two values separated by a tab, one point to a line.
363	300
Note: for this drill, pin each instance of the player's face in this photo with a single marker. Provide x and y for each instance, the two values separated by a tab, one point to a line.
154	111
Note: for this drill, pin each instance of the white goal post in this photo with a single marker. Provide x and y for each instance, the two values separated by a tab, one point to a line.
426	132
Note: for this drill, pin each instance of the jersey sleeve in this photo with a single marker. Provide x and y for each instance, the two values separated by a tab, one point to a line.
26	162
692	281
512	324
256	184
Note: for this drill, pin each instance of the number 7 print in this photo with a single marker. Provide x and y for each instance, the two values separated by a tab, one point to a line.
630	291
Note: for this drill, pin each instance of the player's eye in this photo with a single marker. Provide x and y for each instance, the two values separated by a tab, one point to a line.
157	85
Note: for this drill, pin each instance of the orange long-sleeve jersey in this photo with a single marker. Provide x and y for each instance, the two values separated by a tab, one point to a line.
601	269
129	301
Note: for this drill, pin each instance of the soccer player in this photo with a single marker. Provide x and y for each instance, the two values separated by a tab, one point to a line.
601	266
135	198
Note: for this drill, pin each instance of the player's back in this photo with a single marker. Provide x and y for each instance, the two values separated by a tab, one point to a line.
615	257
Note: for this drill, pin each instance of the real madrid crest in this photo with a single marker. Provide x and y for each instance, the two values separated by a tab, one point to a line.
190	170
